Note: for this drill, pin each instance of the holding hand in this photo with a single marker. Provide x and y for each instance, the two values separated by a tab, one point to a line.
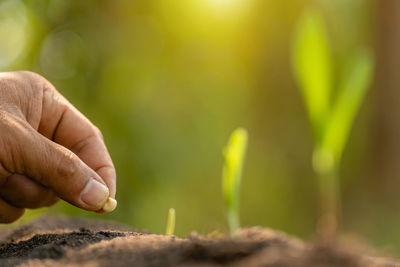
48	150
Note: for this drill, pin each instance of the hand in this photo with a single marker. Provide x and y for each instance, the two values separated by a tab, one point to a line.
48	150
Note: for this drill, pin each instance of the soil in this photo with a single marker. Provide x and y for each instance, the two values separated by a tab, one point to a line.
52	241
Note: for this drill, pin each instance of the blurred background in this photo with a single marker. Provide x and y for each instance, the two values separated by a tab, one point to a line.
167	81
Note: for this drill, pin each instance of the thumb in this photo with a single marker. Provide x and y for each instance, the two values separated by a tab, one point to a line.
58	168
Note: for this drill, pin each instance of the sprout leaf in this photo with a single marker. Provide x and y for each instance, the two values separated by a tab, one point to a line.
234	155
311	60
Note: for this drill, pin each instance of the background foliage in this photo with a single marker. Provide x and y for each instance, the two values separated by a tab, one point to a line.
168	80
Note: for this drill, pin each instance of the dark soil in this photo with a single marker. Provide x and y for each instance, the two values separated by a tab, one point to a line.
74	242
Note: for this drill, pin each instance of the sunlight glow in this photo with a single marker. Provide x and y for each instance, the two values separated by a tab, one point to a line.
223	2
227	5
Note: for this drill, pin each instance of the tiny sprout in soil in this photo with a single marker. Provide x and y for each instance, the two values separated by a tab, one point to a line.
234	154
331	114
170	222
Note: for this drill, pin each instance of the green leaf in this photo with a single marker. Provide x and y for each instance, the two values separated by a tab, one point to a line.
355	82
234	154
311	61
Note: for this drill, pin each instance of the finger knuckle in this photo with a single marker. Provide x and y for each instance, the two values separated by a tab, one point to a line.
18	80
12	134
10	79
98	132
31	76
22	89
67	166
35	82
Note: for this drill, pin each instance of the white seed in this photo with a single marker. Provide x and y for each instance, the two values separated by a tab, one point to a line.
110	205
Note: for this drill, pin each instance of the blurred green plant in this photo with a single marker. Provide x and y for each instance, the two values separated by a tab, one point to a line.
234	154
170	222
331	115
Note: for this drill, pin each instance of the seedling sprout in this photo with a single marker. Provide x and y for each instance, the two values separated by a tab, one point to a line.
170	222
331	115
234	154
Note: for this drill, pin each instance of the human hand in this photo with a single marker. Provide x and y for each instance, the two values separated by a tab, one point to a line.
48	150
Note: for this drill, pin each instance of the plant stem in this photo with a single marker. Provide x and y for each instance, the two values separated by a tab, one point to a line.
170	222
233	221
328	222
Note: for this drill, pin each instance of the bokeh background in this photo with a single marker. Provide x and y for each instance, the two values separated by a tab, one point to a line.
167	81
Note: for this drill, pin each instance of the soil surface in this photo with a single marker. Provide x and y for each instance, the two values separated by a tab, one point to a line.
73	242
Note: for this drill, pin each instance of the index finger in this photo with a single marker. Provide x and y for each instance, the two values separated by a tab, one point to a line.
65	125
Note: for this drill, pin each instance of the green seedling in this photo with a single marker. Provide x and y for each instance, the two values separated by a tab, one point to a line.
170	222
234	154
331	114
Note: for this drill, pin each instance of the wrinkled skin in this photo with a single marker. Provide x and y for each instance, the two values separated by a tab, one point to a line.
48	150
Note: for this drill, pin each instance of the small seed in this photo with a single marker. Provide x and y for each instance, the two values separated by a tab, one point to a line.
110	205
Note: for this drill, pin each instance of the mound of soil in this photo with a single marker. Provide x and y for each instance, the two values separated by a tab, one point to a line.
74	242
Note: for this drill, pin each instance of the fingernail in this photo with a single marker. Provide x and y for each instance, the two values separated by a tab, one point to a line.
94	194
